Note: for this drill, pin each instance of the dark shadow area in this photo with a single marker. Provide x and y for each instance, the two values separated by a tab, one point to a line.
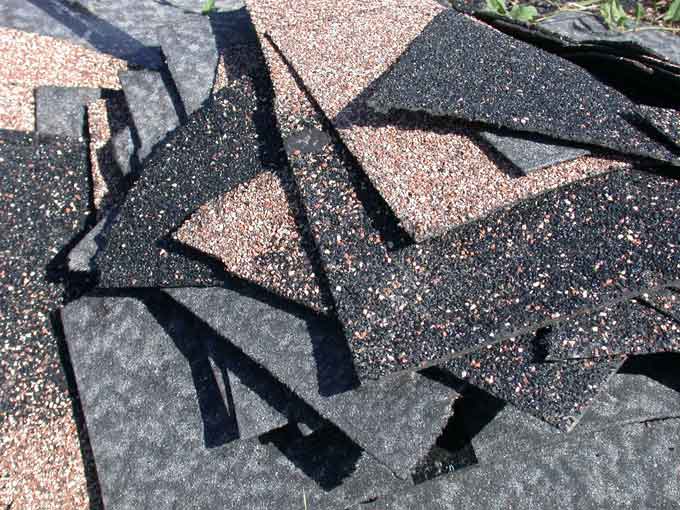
202	345
540	345
662	367
101	34
327	455
90	468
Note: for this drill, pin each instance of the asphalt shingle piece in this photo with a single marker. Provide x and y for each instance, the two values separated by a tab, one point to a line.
60	111
160	455
44	206
150	338
645	388
81	258
665	120
395	420
515	86
123	150
629	327
217	150
583	246
191	53
253	232
441	176
529	154
555	392
667	302
151	106
634	466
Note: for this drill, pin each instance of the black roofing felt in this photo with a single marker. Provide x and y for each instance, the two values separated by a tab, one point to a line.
645	388
215	151
157	435
630	327
395	420
44	207
630	467
61	110
461	68
564	252
529	153
557	392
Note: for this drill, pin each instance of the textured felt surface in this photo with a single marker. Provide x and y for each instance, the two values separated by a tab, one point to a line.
645	388
630	327
216	150
44	205
123	149
190	51
155	446
633	466
61	110
395	420
151	106
555	392
459	67
530	153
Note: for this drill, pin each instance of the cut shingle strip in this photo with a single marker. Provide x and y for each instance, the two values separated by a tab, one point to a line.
252	231
439	177
396	421
468	70
190	50
61	110
644	389
557	392
167	431
217	150
151	106
629	327
633	466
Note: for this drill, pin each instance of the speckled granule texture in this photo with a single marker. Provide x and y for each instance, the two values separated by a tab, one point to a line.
557	392
630	327
433	173
44	193
580	247
29	60
41	467
224	144
459	67
665	120
253	232
667	302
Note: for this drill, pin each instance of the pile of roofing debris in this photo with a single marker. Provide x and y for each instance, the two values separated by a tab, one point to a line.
382	243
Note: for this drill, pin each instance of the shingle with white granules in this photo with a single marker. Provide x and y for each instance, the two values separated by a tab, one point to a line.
458	67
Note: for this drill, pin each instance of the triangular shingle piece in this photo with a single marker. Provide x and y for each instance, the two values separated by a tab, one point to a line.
460	68
395	420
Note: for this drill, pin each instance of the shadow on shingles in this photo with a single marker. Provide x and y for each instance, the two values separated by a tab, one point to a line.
327	455
378	210
89	466
663	367
101	34
334	363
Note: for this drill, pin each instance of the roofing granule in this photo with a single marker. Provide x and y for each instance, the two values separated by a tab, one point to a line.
253	232
433	174
30	60
42	468
665	120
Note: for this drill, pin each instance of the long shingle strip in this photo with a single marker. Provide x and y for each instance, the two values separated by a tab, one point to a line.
468	70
